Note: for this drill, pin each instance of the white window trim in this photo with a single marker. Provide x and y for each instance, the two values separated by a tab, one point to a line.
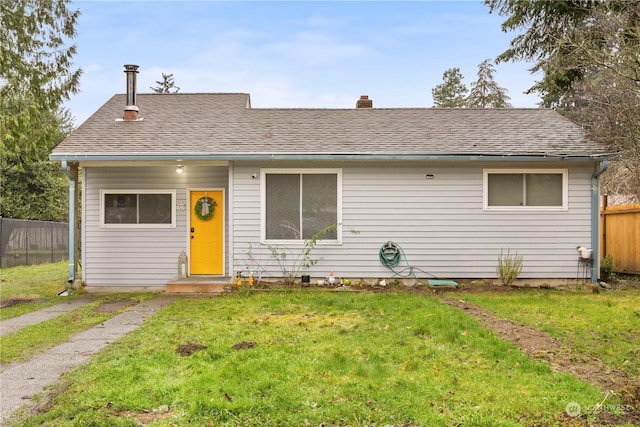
263	204
565	189
104	192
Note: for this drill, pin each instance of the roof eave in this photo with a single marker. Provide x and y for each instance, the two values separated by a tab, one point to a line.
182	157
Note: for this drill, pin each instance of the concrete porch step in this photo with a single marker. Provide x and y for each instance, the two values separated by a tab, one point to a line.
197	285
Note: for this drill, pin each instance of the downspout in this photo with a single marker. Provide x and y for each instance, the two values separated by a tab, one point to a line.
595	221
72	173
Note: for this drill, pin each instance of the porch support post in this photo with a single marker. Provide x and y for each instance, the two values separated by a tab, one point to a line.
72	172
595	221
230	215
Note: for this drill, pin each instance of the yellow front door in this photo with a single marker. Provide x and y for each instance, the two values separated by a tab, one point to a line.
206	232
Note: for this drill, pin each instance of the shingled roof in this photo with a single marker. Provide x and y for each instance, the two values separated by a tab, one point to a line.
224	126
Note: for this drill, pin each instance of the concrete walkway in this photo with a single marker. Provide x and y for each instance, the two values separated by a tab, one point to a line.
16	323
20	381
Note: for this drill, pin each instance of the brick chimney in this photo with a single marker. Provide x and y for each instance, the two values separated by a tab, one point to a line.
131	110
364	102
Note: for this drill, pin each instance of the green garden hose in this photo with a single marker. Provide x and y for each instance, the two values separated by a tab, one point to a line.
391	255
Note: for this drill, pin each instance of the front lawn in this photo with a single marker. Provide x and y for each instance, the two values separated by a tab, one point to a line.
28	288
604	325
303	358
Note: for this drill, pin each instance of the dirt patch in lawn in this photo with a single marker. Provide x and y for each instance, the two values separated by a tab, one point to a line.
542	346
116	305
243	345
189	348
145	416
15	301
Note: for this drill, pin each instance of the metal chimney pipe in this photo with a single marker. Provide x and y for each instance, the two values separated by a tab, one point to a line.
131	71
131	110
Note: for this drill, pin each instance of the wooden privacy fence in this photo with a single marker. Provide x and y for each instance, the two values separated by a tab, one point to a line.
620	236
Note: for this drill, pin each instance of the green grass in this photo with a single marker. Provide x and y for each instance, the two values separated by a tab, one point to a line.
31	340
364	359
604	325
38	284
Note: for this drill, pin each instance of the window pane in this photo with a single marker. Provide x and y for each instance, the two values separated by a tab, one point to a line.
120	208
505	189
544	189
282	206
155	208
319	204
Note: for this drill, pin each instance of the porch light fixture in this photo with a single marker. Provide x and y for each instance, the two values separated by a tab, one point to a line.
179	169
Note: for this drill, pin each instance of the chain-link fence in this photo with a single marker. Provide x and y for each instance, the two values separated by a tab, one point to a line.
26	242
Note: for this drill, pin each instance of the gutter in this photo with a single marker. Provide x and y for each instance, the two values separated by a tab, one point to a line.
72	173
595	221
181	157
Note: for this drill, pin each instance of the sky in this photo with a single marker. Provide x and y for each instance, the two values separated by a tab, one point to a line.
291	54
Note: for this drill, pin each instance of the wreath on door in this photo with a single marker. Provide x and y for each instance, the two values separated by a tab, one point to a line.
205	207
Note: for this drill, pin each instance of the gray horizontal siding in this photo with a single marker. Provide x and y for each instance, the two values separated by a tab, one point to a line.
440	223
138	256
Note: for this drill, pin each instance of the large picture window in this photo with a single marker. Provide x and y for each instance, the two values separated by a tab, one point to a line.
138	208
298	204
531	189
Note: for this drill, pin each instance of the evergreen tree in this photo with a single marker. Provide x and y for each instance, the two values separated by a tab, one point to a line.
451	93
485	92
36	77
589	54
568	38
166	85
